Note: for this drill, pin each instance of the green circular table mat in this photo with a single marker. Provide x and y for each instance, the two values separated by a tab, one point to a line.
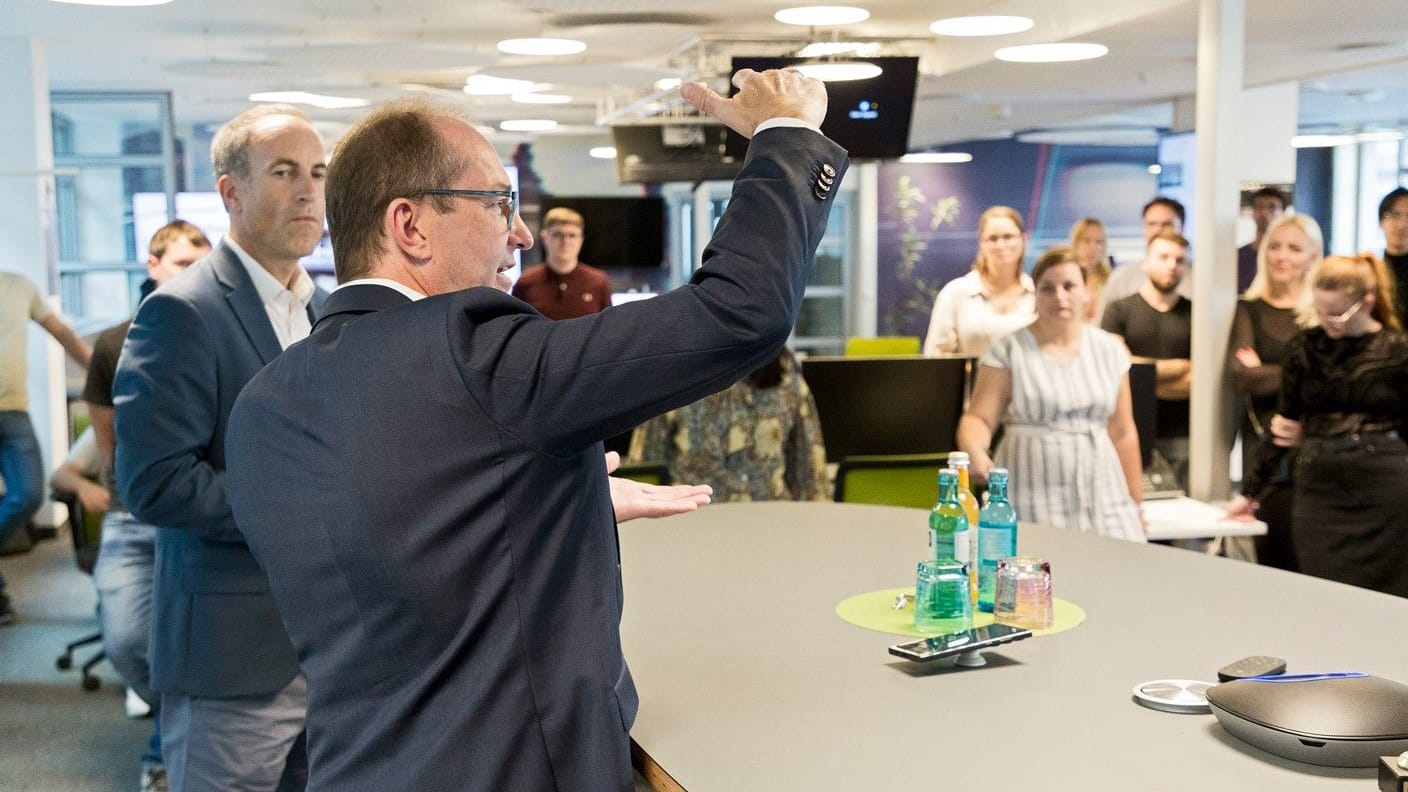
874	610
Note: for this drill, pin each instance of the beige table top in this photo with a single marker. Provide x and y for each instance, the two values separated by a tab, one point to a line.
749	681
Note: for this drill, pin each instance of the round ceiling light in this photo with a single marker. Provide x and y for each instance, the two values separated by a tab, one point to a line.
528	125
1056	52
840	71
542	46
530	97
981	25
939	157
821	16
602	152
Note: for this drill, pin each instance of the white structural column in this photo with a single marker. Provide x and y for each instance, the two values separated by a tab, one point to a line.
27	223
865	281
1221	33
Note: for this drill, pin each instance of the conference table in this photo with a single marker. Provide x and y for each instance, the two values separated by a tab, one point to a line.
749	681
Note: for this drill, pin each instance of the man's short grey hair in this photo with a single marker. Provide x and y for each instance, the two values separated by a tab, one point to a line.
229	151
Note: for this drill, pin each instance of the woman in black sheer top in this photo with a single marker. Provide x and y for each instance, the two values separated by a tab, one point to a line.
1343	399
1263	330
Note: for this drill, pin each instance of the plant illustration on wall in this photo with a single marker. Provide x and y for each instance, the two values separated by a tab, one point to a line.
917	293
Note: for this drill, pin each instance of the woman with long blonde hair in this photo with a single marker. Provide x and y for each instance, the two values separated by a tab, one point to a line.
993	299
1092	252
1263	328
1344	401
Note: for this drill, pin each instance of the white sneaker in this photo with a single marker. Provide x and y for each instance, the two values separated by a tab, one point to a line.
154	778
136	707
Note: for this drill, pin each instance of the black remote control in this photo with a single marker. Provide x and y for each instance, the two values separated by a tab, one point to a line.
1254	666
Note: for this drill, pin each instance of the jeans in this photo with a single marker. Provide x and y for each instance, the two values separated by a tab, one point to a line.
123	576
22	468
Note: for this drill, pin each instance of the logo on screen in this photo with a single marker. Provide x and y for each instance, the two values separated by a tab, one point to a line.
865	110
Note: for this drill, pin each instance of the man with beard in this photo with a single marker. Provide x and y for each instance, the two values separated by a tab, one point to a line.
1157	325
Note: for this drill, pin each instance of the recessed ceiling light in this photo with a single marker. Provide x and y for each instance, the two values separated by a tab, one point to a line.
821	16
821	49
1155	169
981	25
668	83
941	157
528	125
1057	52
305	98
484	85
602	152
542	46
1320	141
840	71
115	2
530	97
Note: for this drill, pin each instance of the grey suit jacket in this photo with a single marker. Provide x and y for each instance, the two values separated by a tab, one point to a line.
193	345
438	532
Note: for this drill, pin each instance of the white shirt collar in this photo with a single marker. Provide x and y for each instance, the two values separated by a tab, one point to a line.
269	288
410	293
973	283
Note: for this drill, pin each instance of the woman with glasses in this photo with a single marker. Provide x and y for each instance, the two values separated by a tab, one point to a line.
1089	243
1262	331
1344	397
992	300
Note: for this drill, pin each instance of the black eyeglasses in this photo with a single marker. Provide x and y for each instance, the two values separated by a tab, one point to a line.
508	208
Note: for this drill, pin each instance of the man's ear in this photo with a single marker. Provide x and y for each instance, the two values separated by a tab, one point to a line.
152	263
402	222
230	191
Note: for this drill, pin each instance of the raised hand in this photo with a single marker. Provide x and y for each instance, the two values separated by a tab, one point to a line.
776	93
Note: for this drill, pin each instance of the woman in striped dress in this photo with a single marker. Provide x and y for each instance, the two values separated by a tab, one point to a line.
1060	388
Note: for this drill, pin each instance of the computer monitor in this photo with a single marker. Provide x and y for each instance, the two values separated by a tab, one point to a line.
1143	392
887	405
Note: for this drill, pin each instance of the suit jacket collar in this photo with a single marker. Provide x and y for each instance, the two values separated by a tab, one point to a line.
245	301
354	300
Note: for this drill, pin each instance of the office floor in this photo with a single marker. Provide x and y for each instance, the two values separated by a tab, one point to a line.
55	736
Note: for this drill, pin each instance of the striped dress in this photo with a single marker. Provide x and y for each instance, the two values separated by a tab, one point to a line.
1056	443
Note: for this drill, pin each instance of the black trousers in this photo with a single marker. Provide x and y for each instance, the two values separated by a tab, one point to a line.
1351	510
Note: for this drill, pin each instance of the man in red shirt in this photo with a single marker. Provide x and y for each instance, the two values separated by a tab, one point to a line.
563	287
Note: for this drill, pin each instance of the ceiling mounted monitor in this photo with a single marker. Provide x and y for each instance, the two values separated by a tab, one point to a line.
869	118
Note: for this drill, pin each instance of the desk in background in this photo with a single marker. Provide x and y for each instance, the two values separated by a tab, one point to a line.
1185	518
749	681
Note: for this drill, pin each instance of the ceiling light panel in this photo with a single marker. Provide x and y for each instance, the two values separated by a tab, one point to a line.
821	16
542	46
1056	52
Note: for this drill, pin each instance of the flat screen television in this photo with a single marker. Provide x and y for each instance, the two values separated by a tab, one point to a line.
887	405
690	152
869	118
621	231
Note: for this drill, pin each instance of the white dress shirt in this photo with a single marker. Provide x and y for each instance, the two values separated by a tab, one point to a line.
964	321
287	309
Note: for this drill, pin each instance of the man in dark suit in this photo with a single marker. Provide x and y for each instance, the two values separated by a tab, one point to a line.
233	699
422	478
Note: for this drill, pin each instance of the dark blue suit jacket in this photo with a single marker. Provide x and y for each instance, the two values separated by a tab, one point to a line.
424	483
192	347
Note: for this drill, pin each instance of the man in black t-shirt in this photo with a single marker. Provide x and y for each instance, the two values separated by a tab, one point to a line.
123	573
1157	324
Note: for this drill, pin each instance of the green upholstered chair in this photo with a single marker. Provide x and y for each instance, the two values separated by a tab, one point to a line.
882	346
900	480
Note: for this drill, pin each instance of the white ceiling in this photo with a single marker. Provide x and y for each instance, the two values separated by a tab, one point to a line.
211	54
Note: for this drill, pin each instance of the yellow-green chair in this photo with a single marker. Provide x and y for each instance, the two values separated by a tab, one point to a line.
882	346
899	480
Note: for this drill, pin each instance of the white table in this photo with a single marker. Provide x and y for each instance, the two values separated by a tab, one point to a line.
1186	518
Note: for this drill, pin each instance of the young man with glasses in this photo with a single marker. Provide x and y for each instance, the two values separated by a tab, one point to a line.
564	287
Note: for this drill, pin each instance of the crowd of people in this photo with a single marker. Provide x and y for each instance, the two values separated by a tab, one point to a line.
311	589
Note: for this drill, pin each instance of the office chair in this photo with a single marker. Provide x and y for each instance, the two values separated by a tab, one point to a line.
895	480
881	346
86	528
